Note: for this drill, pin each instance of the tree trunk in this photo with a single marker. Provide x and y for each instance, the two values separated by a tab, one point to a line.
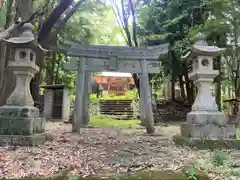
181	83
218	84
8	21
24	9
53	62
173	88
34	85
56	78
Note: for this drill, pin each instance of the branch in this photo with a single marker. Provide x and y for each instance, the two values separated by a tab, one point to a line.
134	23
19	22
64	21
52	19
38	13
126	27
120	24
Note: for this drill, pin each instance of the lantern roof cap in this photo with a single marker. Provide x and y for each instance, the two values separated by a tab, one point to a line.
25	36
201	48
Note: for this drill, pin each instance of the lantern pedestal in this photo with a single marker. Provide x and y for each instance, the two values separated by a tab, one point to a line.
21	126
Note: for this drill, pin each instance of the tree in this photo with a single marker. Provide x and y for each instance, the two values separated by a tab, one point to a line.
123	12
175	22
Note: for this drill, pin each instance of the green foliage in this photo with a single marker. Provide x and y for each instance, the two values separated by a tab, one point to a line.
147	175
220	163
191	173
219	158
129	95
93	99
104	121
3	15
72	178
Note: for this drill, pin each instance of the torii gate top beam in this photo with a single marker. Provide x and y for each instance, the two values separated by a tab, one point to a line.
120	52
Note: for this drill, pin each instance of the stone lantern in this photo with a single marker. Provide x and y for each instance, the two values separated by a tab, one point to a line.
205	121
20	123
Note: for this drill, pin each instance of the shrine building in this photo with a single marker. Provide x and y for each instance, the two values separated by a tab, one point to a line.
114	82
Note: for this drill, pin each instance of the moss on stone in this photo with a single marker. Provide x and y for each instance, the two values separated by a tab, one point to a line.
151	175
207	143
19	140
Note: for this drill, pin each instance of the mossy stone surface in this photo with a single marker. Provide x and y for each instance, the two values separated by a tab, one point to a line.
151	175
19	140
207	143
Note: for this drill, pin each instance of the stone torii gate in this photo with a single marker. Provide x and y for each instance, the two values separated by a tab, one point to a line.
96	58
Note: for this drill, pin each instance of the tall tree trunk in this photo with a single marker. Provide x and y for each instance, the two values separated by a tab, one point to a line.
181	83
51	68
56	78
34	85
2	46
24	9
173	87
189	86
9	19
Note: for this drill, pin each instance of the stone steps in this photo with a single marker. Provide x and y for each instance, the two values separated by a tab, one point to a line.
117	108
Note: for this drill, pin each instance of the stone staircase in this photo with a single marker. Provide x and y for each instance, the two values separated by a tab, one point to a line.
120	108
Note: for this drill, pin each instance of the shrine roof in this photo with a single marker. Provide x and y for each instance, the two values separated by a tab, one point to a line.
115	74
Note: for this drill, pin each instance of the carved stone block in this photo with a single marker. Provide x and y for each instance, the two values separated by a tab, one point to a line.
208	131
20	120
207	117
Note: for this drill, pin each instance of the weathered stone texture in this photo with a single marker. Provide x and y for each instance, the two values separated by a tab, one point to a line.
206	117
208	131
20	140
207	143
20	120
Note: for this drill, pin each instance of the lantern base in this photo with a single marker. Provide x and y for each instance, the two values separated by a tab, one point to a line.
208	131
19	140
207	117
202	144
21	123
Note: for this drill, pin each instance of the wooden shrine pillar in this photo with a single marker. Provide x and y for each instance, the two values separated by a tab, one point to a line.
79	102
145	97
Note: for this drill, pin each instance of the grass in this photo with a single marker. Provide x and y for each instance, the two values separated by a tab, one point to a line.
104	121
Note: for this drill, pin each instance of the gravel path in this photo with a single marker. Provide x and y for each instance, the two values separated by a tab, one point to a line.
98	151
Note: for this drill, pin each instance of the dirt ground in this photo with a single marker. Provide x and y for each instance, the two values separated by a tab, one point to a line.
101	151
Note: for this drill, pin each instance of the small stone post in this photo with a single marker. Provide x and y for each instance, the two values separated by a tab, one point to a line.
20	123
205	121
